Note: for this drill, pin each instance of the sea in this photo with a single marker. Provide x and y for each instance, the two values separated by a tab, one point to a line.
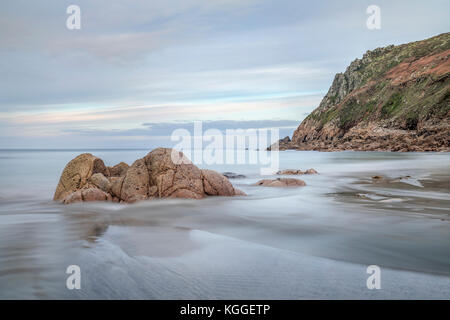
320	241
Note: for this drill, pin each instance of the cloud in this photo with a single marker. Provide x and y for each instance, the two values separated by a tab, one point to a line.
152	52
241	108
160	61
165	129
146	136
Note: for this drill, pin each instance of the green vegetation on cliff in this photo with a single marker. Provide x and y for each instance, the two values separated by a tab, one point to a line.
398	86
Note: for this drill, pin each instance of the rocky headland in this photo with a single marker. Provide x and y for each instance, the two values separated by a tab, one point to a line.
393	99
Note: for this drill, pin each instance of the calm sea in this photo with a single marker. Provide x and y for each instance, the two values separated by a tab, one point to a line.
310	242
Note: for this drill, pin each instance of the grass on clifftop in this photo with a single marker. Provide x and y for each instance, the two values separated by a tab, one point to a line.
402	106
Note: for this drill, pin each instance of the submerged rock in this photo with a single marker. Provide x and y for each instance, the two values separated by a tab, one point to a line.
281	182
135	185
232	175
296	172
86	178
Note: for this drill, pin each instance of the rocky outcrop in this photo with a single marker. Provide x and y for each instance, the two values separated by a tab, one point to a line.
86	178
282	144
395	98
215	184
135	185
281	182
119	170
101	182
173	180
76	174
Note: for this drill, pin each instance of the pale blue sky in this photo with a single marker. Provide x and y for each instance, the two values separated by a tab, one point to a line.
135	62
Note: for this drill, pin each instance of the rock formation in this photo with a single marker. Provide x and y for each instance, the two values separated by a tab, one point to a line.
118	170
77	173
282	144
395	98
86	178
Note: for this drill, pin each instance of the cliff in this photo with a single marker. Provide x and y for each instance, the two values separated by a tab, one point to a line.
395	98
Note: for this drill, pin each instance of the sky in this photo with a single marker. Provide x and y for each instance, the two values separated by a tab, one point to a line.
136	70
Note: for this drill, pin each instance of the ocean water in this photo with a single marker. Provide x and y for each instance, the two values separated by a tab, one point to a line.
312	242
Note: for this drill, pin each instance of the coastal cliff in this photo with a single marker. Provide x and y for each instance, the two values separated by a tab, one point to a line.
393	99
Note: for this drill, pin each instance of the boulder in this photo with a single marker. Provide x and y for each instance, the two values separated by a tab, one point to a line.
87	194
73	197
77	173
94	194
216	184
311	171
100	181
119	170
135	185
116	186
281	182
169	176
186	194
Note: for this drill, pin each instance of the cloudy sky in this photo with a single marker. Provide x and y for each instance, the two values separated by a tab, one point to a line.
138	69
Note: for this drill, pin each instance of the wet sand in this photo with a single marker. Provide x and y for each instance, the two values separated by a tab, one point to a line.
312	242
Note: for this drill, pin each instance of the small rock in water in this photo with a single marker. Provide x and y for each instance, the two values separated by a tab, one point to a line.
293	172
232	175
281	182
409	180
290	172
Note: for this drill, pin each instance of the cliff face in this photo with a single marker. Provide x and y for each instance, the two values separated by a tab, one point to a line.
394	98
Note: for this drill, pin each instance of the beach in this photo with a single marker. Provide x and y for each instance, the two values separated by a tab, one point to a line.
312	242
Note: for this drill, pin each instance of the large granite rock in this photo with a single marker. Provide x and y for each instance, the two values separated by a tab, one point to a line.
215	184
76	174
171	179
135	185
119	170
86	178
100	181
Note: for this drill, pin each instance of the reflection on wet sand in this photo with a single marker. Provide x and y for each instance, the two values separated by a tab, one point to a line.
308	242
